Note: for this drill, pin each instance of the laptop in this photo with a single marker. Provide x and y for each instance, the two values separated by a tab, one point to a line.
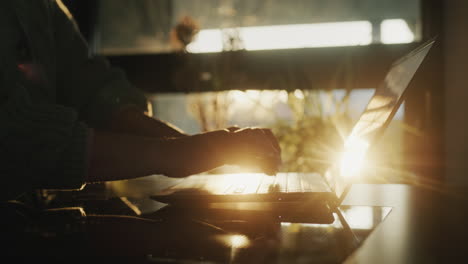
328	188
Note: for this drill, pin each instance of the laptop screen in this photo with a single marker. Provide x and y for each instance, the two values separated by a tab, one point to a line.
379	111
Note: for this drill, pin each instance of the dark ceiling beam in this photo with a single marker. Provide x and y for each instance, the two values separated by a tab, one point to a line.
311	68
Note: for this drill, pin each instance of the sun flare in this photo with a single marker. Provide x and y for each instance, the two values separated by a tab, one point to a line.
353	156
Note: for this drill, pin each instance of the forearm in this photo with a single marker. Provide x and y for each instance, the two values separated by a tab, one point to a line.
121	156
132	121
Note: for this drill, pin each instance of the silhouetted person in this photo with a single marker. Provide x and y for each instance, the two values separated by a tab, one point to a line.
67	118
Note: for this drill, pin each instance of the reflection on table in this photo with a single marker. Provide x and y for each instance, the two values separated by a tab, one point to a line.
259	237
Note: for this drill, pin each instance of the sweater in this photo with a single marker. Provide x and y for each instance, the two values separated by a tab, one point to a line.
53	93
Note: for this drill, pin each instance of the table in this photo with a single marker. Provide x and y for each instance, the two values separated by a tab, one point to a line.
426	225
410	224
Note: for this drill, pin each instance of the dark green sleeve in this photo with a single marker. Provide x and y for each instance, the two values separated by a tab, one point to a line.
43	146
89	83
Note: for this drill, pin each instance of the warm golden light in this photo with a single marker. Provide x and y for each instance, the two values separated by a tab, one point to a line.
349	33
234	241
241	99
395	31
238	183
352	158
360	217
239	241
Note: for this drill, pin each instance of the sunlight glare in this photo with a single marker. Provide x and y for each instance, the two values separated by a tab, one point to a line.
299	94
395	31
335	34
360	217
234	241
239	241
244	182
283	96
352	159
208	40
239	99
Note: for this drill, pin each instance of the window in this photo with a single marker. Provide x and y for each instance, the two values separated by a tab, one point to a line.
310	125
299	34
156	26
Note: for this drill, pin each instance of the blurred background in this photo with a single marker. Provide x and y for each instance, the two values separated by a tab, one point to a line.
304	68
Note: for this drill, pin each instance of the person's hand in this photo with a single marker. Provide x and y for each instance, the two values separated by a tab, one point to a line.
253	147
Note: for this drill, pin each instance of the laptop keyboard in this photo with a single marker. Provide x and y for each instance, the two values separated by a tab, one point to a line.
251	183
283	182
